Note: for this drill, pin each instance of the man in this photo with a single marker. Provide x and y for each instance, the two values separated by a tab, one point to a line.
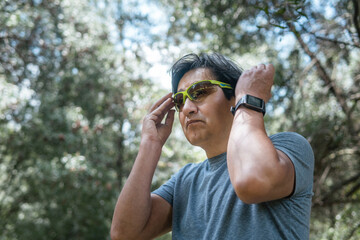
251	186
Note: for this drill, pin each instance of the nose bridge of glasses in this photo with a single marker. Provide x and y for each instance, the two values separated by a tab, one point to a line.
188	103
186	95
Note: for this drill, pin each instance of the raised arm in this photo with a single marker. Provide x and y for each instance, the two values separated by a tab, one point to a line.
138	214
257	170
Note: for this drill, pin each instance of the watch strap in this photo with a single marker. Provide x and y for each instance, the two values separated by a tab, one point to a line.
249	101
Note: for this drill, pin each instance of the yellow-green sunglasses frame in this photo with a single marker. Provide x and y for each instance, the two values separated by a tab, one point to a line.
186	95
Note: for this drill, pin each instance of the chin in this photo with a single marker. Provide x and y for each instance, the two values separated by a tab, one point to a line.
195	140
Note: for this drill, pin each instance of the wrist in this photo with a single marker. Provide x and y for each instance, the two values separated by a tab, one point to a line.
151	143
239	95
148	155
247	120
250	102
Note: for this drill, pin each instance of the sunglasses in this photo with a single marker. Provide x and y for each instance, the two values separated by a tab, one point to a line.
197	92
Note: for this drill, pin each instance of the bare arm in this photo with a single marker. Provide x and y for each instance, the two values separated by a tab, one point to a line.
138	214
257	170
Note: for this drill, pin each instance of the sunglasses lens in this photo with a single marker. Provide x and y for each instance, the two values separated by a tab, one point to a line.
178	100
201	89
196	92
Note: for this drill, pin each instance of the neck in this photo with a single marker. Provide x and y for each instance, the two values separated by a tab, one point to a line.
216	149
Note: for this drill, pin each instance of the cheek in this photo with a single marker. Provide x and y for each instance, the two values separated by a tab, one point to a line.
182	120
220	114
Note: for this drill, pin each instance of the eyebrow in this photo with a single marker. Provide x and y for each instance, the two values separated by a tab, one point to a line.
181	89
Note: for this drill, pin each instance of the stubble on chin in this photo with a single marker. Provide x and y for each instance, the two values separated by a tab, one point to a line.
194	138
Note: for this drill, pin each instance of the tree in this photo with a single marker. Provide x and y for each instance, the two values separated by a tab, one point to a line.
74	87
69	98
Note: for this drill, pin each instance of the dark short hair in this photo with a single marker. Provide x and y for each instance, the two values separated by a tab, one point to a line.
222	68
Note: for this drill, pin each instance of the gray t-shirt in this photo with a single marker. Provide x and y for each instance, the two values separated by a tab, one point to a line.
205	205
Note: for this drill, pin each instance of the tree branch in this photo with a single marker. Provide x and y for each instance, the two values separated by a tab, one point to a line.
355	17
336	91
335	41
355	97
335	202
353	190
339	186
351	233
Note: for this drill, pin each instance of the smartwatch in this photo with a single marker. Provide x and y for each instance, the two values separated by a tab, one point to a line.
250	102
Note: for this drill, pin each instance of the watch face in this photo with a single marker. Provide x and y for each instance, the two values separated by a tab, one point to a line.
250	102
254	101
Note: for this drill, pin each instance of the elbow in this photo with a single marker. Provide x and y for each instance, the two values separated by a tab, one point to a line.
123	233
116	234
251	190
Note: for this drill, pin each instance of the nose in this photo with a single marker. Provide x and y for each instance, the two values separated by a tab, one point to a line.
189	107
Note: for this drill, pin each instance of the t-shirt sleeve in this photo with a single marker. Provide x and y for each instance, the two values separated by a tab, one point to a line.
166	191
298	149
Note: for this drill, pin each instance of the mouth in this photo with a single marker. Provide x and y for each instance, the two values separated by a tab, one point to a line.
188	123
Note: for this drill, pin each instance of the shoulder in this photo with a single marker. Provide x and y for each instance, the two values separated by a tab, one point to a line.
286	136
291	141
299	151
180	180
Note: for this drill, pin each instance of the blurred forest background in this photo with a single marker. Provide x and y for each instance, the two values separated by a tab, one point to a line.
77	76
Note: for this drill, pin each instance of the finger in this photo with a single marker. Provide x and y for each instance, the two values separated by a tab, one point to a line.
159	106
262	66
170	118
164	108
259	66
160	101
270	67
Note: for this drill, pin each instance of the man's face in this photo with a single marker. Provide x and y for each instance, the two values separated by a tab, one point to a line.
206	123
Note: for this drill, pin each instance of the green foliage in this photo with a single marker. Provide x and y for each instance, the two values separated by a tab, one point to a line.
74	87
67	91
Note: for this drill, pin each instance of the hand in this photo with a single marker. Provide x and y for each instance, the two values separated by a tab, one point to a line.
153	129
257	82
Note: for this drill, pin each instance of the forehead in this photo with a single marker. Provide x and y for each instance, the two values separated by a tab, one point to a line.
193	76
